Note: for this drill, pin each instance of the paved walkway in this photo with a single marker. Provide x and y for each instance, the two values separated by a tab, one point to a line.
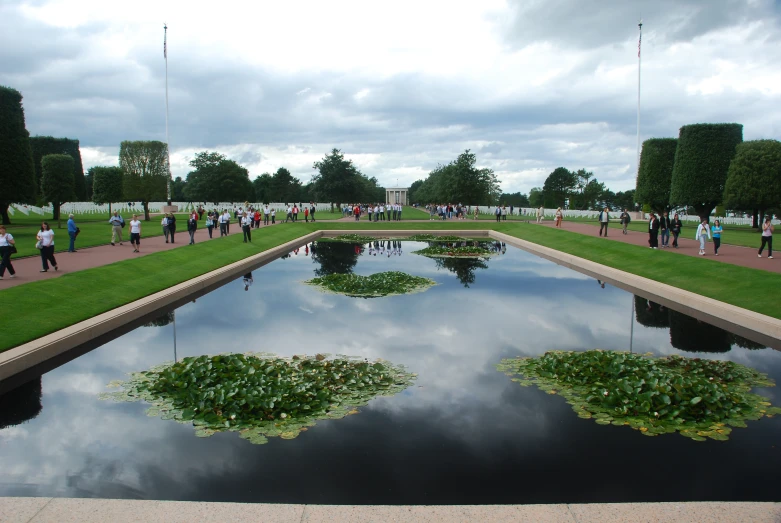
28	269
744	256
39	510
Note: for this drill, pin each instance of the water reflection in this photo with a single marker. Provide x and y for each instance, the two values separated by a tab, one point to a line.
464	433
21	404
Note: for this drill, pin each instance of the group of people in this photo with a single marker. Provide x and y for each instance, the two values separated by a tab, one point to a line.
448	211
378	212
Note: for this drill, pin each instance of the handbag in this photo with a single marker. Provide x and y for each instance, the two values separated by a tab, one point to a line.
13	249
38	244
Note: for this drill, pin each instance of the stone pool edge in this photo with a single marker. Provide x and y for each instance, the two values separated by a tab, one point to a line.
87	510
30	354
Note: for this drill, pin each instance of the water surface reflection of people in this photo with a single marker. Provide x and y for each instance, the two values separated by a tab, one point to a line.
248	281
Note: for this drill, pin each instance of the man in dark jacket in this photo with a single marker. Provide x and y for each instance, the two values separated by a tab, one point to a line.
172	225
664	226
192	226
653	231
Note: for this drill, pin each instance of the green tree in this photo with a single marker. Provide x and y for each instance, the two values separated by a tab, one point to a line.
692	335
558	187
106	185
461	181
337	179
754	178
17	172
43	145
178	192
413	193
536	197
88	186
702	160
216	178
624	200
285	187
57	180
655	174
516	199
144	165
262	185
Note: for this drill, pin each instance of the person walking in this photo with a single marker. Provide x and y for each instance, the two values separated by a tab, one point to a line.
7	248
625	219
164	223
767	238
559	217
192	226
117	223
289	214
306	214
266	215
664	226
223	228
653	231
498	214
675	227
210	223
246	228
256	217
295	213
604	220
716	231
477	211
46	245
135	233
357	212
703	233
171	225
504	213
273	216
540	214
312	209
72	232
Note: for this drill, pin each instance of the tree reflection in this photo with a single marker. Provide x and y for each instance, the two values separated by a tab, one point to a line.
650	314
691	335
744	343
162	320
20	404
463	268
335	257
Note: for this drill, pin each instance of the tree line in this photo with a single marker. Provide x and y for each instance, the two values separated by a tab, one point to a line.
42	169
708	167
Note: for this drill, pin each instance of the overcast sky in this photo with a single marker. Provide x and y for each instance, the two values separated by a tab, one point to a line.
399	86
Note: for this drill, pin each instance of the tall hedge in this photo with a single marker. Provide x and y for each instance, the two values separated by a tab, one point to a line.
57	181
106	185
17	175
655	174
43	145
702	160
754	177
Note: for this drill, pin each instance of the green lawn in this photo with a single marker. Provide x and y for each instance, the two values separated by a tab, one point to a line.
74	297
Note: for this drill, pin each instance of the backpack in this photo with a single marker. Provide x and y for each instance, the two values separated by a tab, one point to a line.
122	222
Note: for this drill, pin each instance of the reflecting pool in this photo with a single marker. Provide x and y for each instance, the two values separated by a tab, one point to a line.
463	433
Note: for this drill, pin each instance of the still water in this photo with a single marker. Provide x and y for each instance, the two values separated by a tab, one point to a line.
462	434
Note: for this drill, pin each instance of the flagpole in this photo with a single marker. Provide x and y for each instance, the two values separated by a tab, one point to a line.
639	43
167	141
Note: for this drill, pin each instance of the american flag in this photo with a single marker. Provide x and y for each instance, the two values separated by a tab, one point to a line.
639	41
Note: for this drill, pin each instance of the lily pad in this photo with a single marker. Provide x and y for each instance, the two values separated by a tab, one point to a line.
698	398
443	251
260	396
389	283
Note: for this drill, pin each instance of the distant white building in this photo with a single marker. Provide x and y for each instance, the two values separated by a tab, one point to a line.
397	195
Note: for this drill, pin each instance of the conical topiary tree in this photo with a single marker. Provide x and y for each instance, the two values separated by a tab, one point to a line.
702	160
17	175
655	174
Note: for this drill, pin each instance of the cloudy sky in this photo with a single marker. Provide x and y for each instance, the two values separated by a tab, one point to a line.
398	86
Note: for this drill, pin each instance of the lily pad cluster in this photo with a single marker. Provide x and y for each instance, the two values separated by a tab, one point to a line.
444	251
350	238
260	396
377	285
698	398
432	237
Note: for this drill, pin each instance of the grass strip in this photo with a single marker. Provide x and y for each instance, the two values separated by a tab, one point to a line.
39	308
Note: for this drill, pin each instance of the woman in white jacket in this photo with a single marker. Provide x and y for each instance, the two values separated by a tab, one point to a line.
703	232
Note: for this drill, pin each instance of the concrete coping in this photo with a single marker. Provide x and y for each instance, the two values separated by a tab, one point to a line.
757	327
40	510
